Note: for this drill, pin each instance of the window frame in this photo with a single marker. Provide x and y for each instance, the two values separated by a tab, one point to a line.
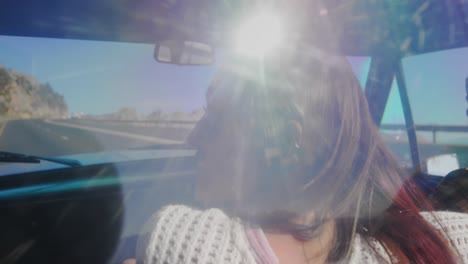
384	69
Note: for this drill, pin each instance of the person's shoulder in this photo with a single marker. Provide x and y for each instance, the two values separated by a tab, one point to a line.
454	227
368	251
180	215
447	221
179	233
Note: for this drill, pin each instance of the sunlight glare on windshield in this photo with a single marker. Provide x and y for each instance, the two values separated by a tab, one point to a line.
259	35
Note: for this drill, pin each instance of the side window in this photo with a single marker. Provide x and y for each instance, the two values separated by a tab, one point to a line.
393	127
437	94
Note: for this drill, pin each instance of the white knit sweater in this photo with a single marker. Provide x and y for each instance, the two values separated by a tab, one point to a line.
179	234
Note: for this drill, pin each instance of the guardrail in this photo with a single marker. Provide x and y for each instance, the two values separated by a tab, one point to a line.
138	121
427	128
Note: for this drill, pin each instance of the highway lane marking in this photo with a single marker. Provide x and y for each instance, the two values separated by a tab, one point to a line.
117	133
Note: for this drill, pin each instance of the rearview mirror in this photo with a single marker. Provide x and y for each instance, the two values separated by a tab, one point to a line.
184	52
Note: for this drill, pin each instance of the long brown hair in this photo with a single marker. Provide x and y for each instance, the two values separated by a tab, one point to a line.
340	169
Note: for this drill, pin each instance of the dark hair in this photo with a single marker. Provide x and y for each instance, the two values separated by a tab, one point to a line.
341	169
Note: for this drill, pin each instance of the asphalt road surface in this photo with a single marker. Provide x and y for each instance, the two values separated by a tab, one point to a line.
60	137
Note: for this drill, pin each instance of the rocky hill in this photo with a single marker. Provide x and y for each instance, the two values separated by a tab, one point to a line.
131	114
21	96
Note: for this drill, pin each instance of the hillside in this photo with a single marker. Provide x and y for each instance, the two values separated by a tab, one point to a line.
131	114
21	96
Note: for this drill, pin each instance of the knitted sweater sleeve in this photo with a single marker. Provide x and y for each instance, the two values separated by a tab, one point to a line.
453	226
179	234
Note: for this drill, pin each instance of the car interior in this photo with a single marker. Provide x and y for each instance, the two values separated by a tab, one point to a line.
94	213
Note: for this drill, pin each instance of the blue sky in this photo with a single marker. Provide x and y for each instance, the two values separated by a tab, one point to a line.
436	89
101	77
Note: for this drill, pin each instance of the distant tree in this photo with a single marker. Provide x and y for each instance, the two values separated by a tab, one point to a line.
155	115
127	113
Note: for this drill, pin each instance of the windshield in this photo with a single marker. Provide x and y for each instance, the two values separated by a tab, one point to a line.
62	97
170	131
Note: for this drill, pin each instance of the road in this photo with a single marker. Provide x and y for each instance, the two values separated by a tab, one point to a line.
66	137
60	137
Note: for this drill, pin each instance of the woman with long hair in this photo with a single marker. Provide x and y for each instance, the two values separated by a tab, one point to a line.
298	172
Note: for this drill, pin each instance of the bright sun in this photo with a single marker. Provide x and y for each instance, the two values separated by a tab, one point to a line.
259	35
